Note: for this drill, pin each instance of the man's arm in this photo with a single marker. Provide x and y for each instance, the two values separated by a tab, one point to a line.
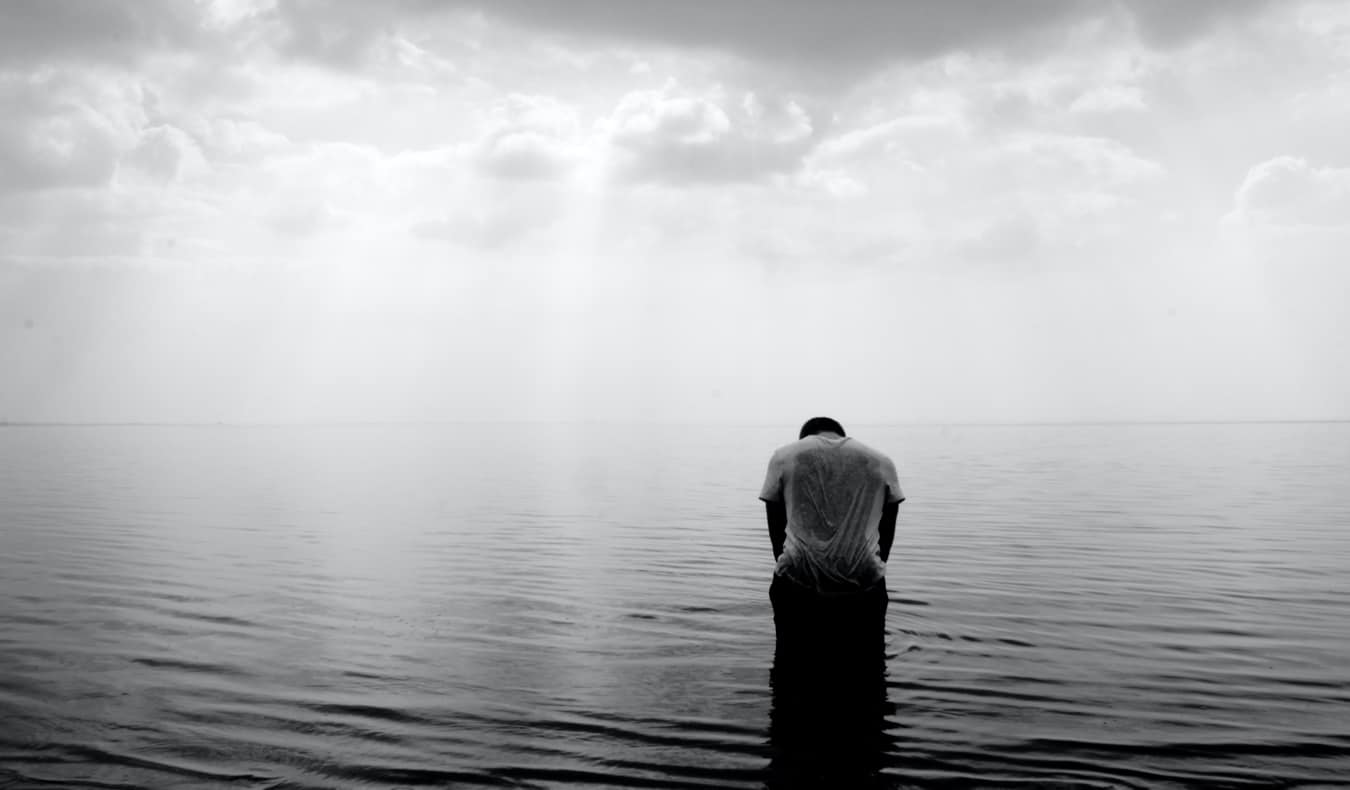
886	529
776	513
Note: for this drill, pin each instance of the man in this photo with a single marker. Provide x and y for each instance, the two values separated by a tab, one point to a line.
831	503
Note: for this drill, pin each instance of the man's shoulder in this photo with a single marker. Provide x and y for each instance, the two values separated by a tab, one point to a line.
785	457
870	451
792	448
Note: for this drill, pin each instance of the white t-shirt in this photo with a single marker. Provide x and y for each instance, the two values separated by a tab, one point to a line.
834	489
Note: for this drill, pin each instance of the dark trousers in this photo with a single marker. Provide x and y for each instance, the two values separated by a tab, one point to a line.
807	623
827	726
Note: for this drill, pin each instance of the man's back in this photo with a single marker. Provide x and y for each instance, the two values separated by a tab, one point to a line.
833	489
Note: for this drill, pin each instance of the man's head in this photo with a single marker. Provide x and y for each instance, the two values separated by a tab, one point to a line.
817	425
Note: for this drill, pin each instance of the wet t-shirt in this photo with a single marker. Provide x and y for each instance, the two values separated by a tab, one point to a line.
834	489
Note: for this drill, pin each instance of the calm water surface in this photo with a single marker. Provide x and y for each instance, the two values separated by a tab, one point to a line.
538	607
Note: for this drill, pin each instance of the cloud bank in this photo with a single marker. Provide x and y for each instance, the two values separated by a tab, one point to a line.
1034	210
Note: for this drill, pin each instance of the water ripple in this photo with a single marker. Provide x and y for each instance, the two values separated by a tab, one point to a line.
371	607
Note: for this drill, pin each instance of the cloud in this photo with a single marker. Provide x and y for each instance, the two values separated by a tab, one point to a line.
831	247
531	138
493	225
494	213
901	147
814	42
671	136
64	130
1288	191
843	35
74	224
907	138
804	35
482	230
1009	238
236	141
525	156
955	156
1074	159
107	30
833	182
1109	98
164	154
336	33
1168	24
953	191
1025	194
300	217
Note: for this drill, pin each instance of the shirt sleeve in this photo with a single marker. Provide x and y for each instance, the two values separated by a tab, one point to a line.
772	490
894	495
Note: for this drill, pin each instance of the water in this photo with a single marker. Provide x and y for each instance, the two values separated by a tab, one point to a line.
538	607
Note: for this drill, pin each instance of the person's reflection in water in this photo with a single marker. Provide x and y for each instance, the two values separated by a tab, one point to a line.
827	727
831	504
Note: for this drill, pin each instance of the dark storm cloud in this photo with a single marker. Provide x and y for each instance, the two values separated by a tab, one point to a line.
97	30
339	32
865	30
1169	23
828	36
842	35
844	31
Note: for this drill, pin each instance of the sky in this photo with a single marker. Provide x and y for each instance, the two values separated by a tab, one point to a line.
936	211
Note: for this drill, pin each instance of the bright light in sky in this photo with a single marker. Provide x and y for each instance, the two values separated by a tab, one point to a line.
638	210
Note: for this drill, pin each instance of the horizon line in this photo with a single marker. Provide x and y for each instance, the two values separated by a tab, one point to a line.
756	423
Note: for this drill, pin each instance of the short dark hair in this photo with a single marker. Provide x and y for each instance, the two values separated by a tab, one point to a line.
817	425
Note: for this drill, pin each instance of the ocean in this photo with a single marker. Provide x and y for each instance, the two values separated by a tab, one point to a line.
556	606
